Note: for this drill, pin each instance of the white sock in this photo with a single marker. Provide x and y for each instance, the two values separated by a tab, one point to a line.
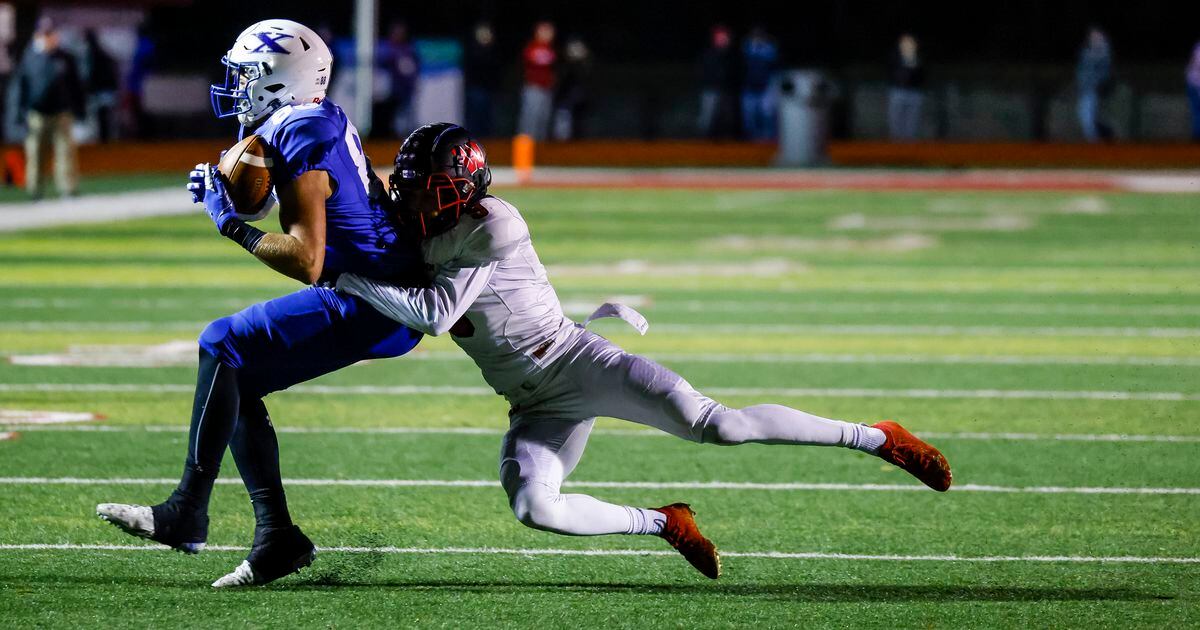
866	439
643	521
776	424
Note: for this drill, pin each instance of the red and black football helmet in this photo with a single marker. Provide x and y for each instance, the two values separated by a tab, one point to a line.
440	174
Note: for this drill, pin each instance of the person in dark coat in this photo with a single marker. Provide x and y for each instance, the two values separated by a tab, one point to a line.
571	93
718	85
100	84
397	56
484	74
1193	90
137	121
759	57
49	99
907	93
1093	76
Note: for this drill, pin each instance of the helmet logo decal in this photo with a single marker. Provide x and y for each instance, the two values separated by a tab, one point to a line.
470	157
269	42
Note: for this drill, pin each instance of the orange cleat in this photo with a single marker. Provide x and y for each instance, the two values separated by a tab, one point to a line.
683	534
919	458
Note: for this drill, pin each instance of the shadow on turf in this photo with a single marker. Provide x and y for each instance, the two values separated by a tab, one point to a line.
806	592
791	592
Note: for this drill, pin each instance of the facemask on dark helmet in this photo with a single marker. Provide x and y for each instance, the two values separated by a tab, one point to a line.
440	174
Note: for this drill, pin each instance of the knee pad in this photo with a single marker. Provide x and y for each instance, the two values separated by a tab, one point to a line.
219	341
695	410
723	427
534	504
538	507
525	507
510	477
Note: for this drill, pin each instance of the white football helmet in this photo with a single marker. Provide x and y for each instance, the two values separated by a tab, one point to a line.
272	64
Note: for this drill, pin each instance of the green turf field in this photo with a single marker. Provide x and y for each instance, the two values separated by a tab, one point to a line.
1048	343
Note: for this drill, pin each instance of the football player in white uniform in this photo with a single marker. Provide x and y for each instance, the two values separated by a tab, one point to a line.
490	292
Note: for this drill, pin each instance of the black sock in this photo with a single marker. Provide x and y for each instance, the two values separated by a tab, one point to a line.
256	452
214	414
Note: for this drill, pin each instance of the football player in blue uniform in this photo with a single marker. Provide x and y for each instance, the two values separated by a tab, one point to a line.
335	219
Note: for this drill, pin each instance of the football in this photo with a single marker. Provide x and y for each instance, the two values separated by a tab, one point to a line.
247	170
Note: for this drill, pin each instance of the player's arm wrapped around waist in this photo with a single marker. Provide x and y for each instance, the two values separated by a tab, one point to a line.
433	310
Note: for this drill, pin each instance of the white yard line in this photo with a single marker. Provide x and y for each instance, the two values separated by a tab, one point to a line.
939	331
639	485
788	392
1159	182
31	417
120	302
722	328
954	393
604	431
951	288
1060	437
182	353
101	428
765	555
94	326
952	359
585	304
902	308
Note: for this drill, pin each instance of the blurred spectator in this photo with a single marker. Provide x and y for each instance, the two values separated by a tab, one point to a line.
1094	78
398	58
570	99
1193	90
906	95
718	85
137	122
483	72
100	84
537	96
759	55
7	118
49	98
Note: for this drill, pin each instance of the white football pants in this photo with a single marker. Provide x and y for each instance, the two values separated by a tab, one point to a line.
551	419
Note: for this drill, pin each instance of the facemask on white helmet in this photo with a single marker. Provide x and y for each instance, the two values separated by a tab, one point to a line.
272	64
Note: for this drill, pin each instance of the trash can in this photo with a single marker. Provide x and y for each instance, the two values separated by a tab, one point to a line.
805	98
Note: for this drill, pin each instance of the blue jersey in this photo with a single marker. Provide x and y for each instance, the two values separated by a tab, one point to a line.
360	235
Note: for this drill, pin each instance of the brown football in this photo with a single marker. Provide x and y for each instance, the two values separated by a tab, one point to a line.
247	170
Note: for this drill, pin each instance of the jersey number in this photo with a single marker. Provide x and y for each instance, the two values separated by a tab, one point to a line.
356	154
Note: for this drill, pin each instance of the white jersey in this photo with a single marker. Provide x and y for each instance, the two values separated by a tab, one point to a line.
489	290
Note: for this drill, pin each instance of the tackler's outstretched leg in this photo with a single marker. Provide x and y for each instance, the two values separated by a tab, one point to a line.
631	387
535	459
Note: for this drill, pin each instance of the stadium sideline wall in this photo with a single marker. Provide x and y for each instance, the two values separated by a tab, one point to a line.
181	156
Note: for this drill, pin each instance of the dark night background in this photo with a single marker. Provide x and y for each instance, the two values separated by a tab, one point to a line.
820	33
1010	63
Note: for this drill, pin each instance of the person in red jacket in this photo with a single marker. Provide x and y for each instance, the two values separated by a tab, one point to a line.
537	96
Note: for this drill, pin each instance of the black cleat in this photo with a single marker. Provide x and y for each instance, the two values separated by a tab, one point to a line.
276	553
